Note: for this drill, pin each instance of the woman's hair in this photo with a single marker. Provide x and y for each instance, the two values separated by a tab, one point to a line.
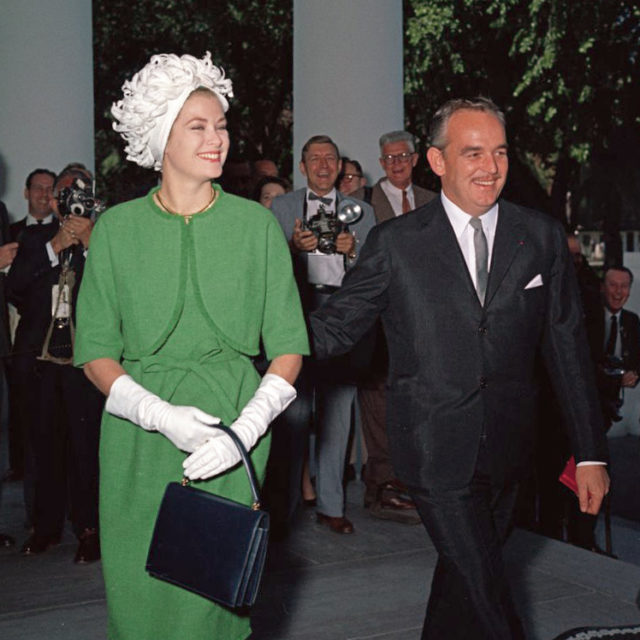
153	98
263	182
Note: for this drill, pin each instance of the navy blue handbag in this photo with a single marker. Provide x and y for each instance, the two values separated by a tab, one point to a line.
208	544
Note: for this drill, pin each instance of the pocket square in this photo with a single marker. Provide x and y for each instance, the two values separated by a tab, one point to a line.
535	282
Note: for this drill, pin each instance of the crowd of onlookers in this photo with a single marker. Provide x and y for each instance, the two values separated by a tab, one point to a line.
54	413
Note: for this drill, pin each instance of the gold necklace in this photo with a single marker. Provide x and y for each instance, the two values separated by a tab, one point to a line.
187	217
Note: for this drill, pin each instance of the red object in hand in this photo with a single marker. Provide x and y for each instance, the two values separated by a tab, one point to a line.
568	475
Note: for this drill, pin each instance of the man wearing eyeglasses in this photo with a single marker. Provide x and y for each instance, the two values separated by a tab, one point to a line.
392	196
351	178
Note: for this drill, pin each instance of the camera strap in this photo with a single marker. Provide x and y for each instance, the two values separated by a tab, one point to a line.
62	292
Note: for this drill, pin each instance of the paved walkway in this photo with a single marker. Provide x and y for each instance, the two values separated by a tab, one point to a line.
323	586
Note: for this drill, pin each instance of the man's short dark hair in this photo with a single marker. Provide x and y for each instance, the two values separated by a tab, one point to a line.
319	139
35	172
355	163
440	120
625	269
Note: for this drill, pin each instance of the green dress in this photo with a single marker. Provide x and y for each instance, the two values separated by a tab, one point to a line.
180	342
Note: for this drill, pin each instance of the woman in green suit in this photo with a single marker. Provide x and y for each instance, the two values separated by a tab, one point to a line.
179	289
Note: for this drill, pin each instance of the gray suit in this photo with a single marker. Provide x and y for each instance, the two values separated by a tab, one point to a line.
334	398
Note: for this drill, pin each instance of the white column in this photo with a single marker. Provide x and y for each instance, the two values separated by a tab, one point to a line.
46	81
347	75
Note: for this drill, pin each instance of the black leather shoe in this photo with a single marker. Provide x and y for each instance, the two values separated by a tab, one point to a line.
88	548
37	543
6	541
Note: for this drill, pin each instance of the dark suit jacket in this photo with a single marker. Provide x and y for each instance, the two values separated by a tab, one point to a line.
629	337
381	205
17	228
608	387
29	286
5	343
457	369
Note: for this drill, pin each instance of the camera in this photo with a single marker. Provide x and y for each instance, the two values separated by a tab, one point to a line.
326	225
79	200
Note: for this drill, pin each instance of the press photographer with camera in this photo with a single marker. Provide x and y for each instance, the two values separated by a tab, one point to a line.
65	418
323	247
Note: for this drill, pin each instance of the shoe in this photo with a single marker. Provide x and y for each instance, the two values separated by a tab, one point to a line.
395	511
336	524
392	503
6	541
37	543
88	548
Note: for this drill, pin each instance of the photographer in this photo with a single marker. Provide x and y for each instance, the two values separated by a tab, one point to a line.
322	251
64	425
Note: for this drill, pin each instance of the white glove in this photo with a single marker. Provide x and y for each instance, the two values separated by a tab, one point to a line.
186	427
271	398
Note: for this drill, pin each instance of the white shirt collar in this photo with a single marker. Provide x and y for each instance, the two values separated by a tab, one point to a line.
459	219
30	220
390	188
331	195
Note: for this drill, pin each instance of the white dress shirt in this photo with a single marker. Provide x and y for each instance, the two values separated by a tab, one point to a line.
464	232
394	196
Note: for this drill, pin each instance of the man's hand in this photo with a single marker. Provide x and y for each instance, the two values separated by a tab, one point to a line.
8	253
63	239
80	228
345	243
303	239
629	379
593	486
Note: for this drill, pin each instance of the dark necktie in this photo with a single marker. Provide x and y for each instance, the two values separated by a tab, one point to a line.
313	196
406	207
39	221
482	257
613	337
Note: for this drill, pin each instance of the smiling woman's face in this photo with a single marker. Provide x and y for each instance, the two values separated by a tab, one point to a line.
199	141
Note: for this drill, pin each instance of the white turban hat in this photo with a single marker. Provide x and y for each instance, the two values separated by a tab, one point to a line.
153	98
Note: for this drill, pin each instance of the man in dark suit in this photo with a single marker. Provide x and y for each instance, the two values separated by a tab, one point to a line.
7	254
470	288
391	196
614	338
37	192
65	420
318	274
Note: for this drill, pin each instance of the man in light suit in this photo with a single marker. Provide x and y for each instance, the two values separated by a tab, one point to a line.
392	196
318	275
470	288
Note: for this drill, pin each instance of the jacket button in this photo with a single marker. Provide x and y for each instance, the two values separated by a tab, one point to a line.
482	331
483	382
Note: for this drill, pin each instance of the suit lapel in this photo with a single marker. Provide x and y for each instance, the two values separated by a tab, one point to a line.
509	240
442	239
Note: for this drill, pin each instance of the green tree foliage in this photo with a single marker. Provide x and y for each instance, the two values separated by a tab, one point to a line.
250	39
566	74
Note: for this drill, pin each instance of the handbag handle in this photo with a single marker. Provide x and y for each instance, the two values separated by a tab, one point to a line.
246	461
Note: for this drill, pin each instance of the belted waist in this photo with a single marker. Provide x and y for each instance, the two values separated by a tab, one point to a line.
202	367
